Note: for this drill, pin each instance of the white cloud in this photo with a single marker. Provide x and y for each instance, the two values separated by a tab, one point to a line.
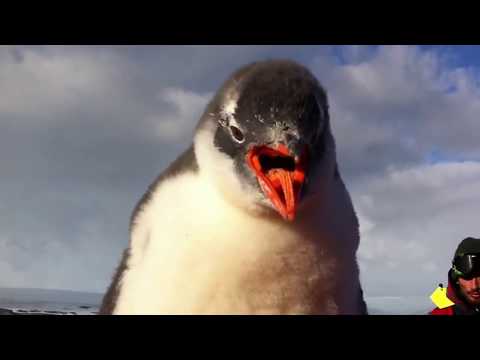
419	215
355	54
43	82
398	105
178	123
81	262
430	266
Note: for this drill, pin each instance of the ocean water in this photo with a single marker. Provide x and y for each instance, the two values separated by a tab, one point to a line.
399	305
43	301
62	302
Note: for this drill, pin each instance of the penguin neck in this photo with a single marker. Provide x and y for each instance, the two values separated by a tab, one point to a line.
218	171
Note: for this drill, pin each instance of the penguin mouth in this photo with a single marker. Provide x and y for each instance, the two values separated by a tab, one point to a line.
280	175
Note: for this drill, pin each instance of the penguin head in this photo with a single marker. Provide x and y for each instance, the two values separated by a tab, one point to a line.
264	140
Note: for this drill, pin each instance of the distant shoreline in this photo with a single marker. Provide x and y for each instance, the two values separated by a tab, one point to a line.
4	311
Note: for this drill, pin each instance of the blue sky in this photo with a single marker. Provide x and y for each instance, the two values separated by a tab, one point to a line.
462	55
85	129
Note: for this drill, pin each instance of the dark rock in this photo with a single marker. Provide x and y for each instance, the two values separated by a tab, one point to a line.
6	312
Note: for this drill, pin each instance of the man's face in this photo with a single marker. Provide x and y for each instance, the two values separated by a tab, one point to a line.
470	289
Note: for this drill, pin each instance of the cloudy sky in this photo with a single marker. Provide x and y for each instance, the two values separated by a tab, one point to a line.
84	130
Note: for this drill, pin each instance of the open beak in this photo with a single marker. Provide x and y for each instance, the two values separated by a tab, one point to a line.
281	176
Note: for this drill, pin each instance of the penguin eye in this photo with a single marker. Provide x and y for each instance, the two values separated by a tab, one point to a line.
237	134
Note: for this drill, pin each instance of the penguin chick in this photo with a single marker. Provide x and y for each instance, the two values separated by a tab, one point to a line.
253	218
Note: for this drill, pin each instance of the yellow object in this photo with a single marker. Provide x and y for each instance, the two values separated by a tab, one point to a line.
440	299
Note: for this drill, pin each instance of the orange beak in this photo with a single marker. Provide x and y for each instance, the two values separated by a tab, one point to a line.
280	176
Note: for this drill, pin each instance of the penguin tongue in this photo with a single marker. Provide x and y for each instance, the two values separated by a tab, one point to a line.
284	196
280	178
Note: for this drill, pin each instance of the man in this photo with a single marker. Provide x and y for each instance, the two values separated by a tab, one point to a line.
463	281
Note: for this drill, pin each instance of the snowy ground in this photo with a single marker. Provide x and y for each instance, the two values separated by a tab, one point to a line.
60	302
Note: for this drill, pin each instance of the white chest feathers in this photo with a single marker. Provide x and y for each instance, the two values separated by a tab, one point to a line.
193	253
